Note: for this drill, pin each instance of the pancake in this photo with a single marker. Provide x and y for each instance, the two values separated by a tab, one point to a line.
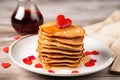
72	41
61	47
65	64
60	60
58	55
50	29
52	51
57	44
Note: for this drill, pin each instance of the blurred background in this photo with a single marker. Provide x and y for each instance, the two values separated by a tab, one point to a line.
82	12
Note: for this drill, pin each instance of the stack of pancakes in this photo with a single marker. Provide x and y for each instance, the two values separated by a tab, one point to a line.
60	47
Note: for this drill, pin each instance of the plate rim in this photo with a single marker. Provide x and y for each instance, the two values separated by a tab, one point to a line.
110	60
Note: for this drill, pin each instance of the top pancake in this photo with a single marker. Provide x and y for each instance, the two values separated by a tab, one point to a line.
51	29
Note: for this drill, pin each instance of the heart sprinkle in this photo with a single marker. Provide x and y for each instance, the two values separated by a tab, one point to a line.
95	52
63	22
17	37
31	57
75	71
38	65
5	64
87	53
90	63
93	60
27	61
6	49
51	71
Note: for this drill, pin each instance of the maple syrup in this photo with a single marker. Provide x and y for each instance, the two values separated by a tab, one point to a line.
26	20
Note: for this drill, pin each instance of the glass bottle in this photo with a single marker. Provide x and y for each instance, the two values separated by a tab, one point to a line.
26	18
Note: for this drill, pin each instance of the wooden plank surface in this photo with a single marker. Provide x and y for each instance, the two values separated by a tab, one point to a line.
82	12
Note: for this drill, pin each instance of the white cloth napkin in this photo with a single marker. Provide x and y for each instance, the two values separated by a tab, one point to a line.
108	31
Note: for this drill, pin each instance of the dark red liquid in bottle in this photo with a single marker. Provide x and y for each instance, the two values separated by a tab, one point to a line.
27	21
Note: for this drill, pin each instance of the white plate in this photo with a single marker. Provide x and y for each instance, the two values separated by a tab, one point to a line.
27	46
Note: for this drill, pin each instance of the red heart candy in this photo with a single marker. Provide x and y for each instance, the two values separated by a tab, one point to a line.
27	61
95	52
87	53
6	65
16	37
63	22
90	63
92	60
51	71
38	65
6	49
75	71
31	57
60	17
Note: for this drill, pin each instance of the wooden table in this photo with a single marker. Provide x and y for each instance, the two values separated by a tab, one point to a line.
82	12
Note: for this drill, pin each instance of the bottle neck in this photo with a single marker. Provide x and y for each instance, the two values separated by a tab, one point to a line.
25	1
27	4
